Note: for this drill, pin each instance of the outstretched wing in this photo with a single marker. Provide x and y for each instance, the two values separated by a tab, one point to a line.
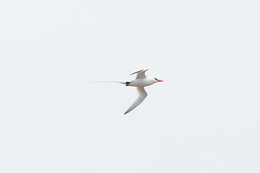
142	95
140	74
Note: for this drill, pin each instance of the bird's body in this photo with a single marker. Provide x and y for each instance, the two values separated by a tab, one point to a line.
140	82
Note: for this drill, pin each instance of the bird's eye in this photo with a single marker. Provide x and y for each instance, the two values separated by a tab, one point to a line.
155	78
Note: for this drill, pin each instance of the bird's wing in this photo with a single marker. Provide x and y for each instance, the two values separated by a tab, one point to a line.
140	74
142	95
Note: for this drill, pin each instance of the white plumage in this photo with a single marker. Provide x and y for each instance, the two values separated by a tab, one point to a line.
140	82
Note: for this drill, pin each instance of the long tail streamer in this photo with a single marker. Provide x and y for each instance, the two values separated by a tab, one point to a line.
107	82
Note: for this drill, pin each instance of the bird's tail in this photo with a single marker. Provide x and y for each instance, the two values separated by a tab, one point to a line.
125	83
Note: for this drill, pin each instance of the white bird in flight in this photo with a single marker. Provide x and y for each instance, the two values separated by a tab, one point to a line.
140	82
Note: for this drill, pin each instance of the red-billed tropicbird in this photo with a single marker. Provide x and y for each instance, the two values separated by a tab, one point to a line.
140	82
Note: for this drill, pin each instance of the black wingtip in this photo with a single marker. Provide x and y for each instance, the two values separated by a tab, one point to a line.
126	111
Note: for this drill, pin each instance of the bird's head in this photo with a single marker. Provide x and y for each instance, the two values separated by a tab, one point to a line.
158	80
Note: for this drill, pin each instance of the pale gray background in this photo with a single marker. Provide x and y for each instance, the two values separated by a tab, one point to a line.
203	119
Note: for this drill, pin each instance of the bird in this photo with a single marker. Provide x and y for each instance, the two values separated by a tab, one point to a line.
140	83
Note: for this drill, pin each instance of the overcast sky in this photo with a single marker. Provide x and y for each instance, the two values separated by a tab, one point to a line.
204	118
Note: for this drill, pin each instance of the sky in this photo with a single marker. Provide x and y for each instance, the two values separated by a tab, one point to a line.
204	118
